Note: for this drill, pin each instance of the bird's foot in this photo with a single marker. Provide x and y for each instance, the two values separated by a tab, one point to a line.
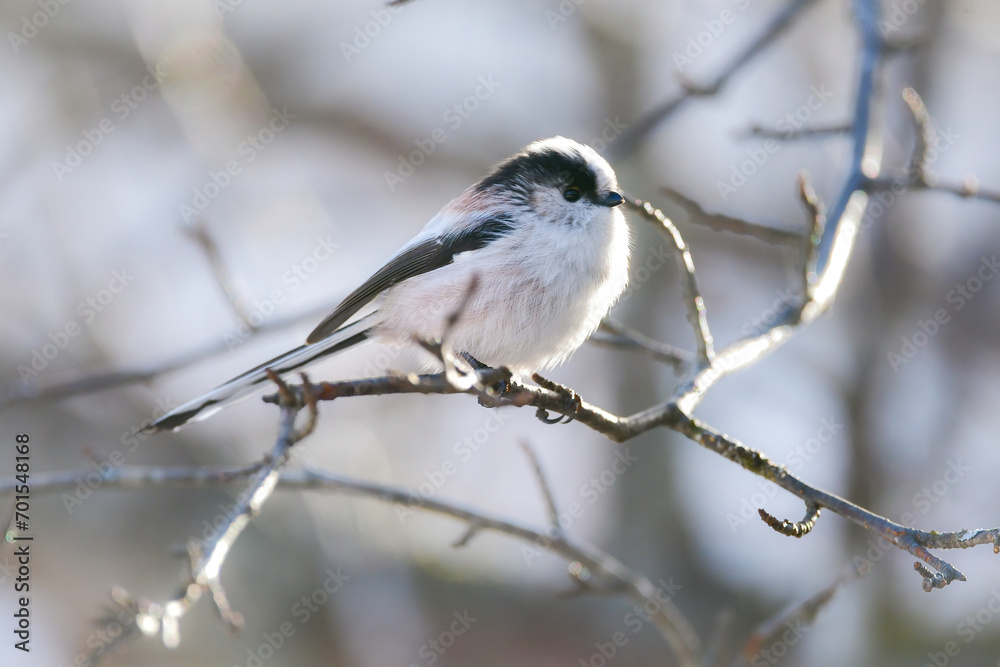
500	388
571	405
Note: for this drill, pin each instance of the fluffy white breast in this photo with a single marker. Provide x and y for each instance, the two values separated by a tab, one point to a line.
542	290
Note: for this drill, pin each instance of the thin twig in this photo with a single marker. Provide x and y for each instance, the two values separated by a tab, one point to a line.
692	296
805	132
803	613
918	174
231	283
817	218
925	136
613	333
968	189
459	376
725	223
637	132
543	484
715	652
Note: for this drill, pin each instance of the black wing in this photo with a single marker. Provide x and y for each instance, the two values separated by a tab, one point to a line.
422	258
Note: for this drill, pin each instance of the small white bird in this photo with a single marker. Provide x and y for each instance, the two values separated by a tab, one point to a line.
549	249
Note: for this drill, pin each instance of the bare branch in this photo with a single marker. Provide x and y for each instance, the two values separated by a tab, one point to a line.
918	174
230	282
543	483
456	375
912	540
817	217
925	136
969	189
805	132
804	612
671	624
835	245
206	560
437	383
725	223
638	131
715	652
613	333
692	296
671	416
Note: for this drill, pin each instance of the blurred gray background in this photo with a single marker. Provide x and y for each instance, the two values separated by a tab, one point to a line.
102	173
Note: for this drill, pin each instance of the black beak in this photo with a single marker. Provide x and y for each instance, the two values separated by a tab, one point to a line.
611	200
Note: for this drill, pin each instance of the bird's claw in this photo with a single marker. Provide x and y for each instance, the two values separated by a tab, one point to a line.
572	404
497	390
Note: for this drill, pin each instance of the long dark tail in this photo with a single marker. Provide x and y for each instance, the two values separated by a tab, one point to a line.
255	379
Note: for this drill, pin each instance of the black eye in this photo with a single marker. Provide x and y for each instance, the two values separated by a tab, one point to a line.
571	194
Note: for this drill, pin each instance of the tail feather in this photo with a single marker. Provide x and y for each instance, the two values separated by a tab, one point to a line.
255	379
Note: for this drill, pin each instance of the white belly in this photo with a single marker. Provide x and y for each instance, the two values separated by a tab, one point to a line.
526	315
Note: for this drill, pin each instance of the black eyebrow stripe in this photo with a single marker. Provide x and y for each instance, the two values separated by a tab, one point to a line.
546	165
422	258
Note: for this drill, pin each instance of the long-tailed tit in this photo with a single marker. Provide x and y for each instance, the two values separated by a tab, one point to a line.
549	249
